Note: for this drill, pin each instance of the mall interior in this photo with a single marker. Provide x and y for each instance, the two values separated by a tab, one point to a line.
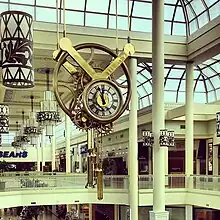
109	109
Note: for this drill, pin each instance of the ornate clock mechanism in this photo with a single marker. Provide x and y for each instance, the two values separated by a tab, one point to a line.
93	87
92	96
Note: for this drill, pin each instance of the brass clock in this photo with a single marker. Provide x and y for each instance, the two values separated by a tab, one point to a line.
102	100
92	96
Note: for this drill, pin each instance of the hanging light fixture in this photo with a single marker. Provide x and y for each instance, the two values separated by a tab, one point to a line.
15	143
20	140
148	138
4	122
17	49
167	138
32	129
49	115
218	124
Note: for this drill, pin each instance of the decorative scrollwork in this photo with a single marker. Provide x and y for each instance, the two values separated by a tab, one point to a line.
17	53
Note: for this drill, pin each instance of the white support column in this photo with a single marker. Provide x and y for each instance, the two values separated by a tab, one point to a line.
90	212
42	144
158	121
133	147
197	166
79	159
189	139
38	157
53	153
166	166
189	212
215	160
67	143
116	212
75	157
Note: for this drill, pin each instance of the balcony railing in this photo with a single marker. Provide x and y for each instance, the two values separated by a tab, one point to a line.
206	182
38	180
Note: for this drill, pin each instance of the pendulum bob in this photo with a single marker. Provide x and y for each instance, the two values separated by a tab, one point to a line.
99	184
89	172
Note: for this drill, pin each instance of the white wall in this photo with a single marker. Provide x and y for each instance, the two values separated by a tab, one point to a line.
54	196
31	154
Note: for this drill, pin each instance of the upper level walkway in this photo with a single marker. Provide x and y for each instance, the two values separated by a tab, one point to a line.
35	188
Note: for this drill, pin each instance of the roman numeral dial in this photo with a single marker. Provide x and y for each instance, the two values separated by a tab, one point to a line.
102	100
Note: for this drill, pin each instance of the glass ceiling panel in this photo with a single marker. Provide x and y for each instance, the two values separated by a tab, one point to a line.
206	82
49	3
181	17
142	9
97	6
74	17
29	2
3	7
75	5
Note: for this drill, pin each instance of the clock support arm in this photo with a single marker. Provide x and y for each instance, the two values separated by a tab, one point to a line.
128	50
67	65
66	45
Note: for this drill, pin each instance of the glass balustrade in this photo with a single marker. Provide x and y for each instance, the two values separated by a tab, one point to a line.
38	180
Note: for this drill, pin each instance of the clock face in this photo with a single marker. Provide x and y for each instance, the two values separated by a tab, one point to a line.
102	100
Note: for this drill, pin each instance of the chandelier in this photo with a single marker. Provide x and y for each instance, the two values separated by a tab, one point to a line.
17	49
32	129
147	138
20	140
166	139
49	115
4	122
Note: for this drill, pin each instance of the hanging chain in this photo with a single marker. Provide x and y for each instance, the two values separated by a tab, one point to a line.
64	19
23	117
58	28
32	103
129	21
116	24
17	125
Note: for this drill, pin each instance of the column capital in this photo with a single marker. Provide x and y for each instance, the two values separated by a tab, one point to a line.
189	62
159	215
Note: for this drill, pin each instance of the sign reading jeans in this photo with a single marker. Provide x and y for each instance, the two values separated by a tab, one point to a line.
10	154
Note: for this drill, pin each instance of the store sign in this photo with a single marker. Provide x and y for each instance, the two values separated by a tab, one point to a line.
84	149
13	154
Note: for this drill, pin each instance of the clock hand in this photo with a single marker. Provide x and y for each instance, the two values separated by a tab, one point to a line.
128	51
102	96
66	45
67	65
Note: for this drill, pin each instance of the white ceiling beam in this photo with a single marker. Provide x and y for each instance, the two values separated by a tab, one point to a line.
205	43
45	38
